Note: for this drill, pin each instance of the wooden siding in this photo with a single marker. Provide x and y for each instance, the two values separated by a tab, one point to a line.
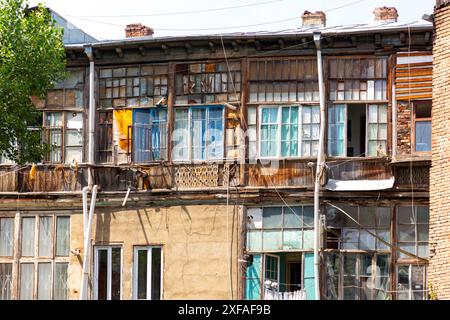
413	76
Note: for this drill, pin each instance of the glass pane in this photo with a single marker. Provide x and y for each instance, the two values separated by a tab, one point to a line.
423	136
53	119
272	240
372	132
406	215
418	279
272	217
406	233
6	237
422	214
5	281
28	227
156	273
251	115
292	239
60	287
62	236
115	273
142	274
254	240
102	276
308	239
292	217
308	217
26	281
367	241
350	238
44	281
373	113
198	134
74	138
45	236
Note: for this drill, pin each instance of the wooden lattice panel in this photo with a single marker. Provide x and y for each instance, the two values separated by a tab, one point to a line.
198	176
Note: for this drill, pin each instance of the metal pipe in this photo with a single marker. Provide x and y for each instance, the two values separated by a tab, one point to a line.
91	118
85	207
87	247
320	162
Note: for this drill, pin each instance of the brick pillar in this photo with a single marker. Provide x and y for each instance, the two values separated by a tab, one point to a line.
439	268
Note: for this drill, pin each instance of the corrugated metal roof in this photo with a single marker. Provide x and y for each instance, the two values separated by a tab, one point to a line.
376	27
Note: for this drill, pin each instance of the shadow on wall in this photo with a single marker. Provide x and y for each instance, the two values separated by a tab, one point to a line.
102	227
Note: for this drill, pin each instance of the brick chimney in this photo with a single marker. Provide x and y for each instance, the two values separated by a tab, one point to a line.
137	30
386	14
314	19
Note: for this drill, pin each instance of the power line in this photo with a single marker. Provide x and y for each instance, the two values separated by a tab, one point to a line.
218	28
181	12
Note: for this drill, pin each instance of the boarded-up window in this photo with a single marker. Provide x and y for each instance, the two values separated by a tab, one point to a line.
283	80
208	82
357	79
280	228
134	86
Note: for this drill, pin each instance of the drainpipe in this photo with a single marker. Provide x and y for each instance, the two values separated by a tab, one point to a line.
87	247
320	165
91	117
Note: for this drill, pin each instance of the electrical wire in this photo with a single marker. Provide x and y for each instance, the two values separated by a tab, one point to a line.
86	18
176	13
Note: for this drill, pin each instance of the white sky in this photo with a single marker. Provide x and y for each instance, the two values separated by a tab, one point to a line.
79	11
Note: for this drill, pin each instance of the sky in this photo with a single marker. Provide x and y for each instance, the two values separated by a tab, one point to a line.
106	19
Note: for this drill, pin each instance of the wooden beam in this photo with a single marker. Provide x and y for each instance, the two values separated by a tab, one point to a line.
305	43
97	53
142	50
378	40
330	42
258	45
165	48
119	52
71	54
427	37
188	47
235	46
212	46
402	37
281	43
354	40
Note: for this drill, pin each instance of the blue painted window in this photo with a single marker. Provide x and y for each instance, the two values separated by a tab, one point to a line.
149	134
198	133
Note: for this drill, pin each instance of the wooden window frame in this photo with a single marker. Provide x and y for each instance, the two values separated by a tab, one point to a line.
109	275
149	250
189	129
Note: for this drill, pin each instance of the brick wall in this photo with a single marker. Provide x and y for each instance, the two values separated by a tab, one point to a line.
403	128
439	269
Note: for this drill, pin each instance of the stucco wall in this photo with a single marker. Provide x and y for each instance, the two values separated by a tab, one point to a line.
194	240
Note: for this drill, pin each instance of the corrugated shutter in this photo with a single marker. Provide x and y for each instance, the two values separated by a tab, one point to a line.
414	75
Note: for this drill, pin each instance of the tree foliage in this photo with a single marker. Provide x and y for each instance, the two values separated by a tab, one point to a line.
32	60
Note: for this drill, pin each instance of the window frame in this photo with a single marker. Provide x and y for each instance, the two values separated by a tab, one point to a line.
280	229
345	134
280	124
135	279
414	122
190	158
410	290
36	259
63	131
109	266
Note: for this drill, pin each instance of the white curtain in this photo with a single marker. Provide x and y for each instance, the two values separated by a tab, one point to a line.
62	236
26	281
28	237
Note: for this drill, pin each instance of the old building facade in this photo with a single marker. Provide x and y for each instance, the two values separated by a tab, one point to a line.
205	151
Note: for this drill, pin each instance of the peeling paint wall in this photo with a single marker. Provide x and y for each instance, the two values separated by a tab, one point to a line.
194	242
